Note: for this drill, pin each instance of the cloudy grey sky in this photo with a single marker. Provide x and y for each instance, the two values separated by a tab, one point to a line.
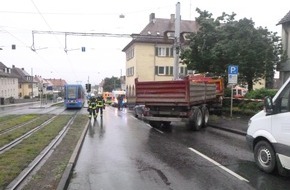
103	56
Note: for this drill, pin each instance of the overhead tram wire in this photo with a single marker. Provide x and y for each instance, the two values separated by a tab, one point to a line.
83	34
80	34
32	47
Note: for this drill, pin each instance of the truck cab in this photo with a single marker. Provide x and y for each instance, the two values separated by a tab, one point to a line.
268	134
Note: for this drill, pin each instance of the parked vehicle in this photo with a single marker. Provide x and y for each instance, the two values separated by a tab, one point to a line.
74	96
117	93
268	134
183	100
108	96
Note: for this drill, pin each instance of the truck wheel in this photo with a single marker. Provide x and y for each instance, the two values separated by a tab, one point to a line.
166	123
265	156
195	119
205	116
155	124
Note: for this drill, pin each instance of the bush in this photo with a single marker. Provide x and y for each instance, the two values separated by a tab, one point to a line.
26	97
228	92
243	107
261	93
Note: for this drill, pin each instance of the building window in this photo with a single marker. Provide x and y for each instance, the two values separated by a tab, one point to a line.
183	71
161	70
164	51
130	71
164	70
129	54
168	70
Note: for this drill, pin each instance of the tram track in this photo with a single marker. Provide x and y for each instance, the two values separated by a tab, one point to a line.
26	135
5	124
25	174
44	153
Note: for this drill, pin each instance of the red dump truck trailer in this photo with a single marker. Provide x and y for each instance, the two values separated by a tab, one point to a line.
187	100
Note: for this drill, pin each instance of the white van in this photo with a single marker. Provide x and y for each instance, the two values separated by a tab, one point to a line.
268	134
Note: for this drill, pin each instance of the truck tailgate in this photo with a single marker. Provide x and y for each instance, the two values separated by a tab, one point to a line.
173	93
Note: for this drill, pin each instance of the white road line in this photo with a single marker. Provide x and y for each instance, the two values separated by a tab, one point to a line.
154	128
219	165
148	125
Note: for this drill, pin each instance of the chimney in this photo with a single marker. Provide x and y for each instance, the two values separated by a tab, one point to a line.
152	17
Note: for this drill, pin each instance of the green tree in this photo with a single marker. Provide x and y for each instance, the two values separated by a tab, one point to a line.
224	41
111	84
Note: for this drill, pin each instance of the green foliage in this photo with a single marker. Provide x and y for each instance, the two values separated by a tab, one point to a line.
260	93
246	106
227	92
243	107
26	97
111	84
225	41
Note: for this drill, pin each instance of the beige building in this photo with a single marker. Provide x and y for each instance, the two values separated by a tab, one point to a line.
8	83
25	82
284	68
149	56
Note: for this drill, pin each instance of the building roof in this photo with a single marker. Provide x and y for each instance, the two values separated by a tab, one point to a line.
159	26
2	66
285	19
160	30
57	82
22	75
6	72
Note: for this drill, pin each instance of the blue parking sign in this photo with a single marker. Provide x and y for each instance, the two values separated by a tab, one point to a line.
233	69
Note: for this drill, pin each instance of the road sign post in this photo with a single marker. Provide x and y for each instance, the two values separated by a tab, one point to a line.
233	71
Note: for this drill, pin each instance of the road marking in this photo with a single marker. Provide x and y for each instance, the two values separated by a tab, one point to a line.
148	125
219	165
154	128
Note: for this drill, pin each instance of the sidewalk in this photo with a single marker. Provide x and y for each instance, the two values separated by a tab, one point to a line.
235	124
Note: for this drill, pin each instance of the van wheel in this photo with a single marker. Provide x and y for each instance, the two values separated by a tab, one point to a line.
205	116
265	156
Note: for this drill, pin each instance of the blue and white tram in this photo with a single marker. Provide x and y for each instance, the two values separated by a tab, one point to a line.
74	96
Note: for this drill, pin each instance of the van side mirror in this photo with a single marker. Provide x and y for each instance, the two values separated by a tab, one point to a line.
268	105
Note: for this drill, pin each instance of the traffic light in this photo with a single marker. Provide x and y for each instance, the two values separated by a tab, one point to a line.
88	87
83	49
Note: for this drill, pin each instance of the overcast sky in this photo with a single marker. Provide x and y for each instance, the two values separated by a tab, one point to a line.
103	56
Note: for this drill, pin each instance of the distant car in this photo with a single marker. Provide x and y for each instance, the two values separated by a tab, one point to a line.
59	99
139	111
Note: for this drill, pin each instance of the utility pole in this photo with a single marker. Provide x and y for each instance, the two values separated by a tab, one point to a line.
176	48
32	83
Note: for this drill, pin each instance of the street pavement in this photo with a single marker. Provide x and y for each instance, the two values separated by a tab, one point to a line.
235	124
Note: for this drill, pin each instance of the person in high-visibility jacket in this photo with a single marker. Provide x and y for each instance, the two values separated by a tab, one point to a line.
92	106
100	105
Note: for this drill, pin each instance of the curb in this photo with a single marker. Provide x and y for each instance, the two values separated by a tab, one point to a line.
64	181
239	132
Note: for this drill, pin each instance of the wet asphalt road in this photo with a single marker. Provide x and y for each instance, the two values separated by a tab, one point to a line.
123	152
